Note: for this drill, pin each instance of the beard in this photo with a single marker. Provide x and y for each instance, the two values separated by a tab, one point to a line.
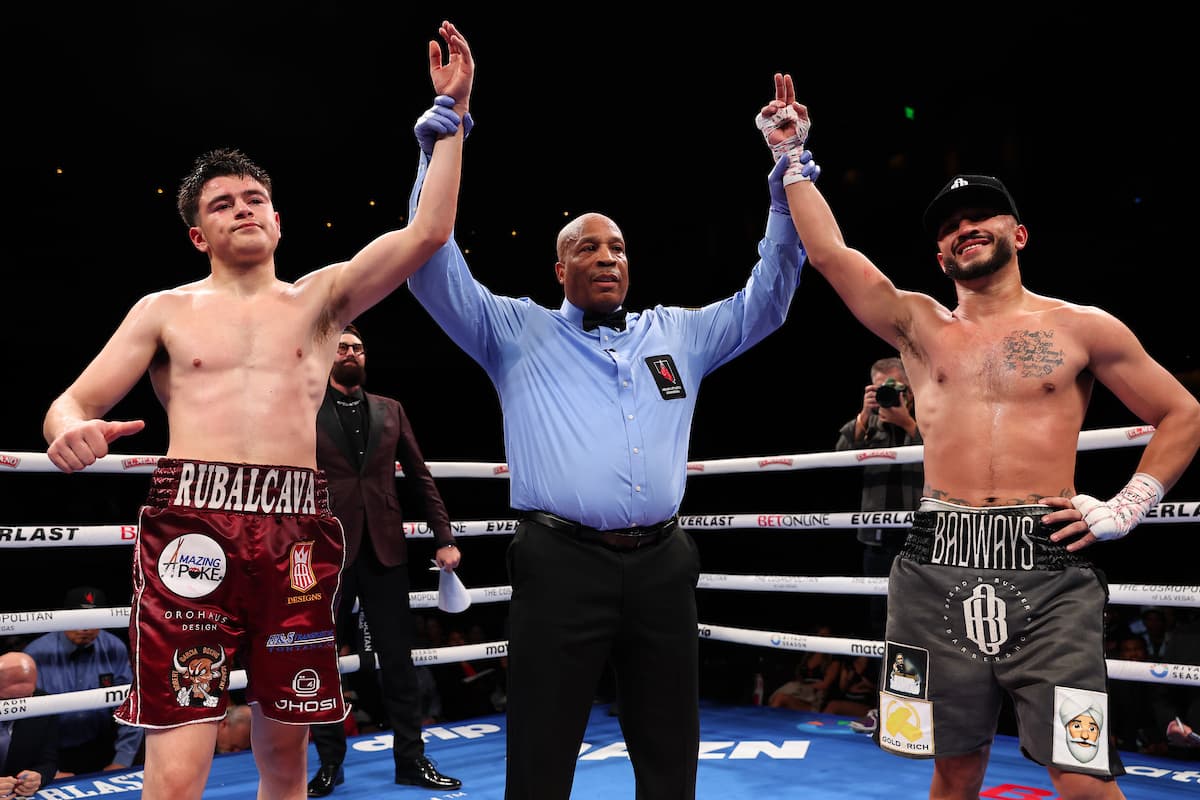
1002	253
349	373
1083	749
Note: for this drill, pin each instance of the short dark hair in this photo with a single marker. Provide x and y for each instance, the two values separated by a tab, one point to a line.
352	330
215	164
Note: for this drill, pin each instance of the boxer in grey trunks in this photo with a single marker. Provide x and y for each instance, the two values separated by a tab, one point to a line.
1003	378
987	604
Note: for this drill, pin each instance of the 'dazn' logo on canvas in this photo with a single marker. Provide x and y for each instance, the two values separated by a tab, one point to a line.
666	377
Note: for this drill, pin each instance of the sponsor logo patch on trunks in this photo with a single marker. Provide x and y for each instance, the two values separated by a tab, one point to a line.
199	676
299	640
263	490
907	669
306	685
991	613
1081	729
192	565
906	725
983	540
302	577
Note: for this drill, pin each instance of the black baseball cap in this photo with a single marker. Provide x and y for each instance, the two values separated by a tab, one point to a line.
85	597
968	191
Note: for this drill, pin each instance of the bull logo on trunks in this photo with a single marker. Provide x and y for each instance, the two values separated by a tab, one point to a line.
199	677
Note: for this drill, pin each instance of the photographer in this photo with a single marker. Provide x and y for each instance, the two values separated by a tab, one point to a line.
887	419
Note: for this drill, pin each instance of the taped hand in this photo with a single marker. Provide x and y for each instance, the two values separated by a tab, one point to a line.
1118	516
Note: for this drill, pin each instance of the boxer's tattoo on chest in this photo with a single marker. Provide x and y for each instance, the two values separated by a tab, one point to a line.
1031	354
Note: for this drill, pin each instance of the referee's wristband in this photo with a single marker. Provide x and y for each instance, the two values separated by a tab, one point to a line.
451	543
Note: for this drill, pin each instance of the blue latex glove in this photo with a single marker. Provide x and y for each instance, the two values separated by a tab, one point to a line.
811	170
779	203
440	120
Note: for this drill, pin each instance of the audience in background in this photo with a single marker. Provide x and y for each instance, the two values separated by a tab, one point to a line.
465	687
233	732
857	688
1156	632
28	745
815	677
90	740
1136	707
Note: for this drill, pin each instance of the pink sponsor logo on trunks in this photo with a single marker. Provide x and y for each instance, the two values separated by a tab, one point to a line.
264	490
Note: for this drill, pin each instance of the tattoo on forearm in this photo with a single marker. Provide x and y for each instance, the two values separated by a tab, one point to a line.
1031	353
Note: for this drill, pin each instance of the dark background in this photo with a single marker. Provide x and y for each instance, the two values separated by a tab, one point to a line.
1083	115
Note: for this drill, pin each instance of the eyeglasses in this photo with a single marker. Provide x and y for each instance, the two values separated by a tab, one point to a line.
343	347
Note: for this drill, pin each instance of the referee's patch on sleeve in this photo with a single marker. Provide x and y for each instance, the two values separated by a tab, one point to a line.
666	377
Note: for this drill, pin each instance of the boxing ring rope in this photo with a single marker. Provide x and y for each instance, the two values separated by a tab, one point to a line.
1100	439
27	536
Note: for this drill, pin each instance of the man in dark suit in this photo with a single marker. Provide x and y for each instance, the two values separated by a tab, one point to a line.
29	745
359	438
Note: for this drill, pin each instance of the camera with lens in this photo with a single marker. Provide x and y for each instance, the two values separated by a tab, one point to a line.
888	393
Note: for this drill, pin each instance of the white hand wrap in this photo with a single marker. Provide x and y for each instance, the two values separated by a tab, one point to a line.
1119	516
791	147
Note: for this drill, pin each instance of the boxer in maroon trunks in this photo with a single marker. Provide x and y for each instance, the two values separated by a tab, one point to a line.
233	558
274	609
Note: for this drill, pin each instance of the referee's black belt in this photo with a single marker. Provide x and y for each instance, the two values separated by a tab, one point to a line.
618	539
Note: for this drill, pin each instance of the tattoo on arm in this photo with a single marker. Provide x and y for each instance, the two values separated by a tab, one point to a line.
1031	353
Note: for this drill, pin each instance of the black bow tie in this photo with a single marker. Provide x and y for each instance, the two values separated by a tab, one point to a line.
612	319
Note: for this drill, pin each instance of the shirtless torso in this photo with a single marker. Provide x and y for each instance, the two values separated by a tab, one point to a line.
242	377
1002	398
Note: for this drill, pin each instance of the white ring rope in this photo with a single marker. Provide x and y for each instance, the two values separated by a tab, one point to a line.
28	536
1182	674
1101	439
111	696
24	622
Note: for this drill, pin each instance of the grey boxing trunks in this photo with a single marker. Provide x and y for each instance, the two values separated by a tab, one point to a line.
982	603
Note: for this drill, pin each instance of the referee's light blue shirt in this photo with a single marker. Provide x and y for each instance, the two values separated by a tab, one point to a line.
597	423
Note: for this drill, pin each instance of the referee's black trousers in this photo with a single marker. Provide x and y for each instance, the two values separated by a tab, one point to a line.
576	604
